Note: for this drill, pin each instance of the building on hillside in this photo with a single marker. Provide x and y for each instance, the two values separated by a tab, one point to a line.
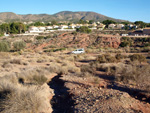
101	26
34	29
137	32
42	29
86	25
111	26
146	31
72	26
49	27
55	26
131	26
63	27
78	25
120	26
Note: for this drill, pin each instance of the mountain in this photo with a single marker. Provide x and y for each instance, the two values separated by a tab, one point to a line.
61	16
68	15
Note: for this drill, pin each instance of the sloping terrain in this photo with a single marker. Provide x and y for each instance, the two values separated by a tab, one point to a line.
61	16
79	40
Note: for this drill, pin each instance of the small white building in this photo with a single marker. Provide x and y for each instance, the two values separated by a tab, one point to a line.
63	27
42	29
72	26
33	29
55	26
101	26
49	27
111	26
120	26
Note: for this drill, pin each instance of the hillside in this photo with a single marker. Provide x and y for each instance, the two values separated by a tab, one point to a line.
61	16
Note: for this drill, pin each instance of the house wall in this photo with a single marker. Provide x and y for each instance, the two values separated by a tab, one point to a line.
146	31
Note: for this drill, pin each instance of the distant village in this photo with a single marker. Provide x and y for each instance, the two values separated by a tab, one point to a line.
62	26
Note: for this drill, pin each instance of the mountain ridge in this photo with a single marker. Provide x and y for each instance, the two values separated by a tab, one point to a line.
60	16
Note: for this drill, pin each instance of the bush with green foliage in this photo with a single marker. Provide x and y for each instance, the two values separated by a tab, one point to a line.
54	50
83	29
107	22
39	37
19	45
4	46
125	41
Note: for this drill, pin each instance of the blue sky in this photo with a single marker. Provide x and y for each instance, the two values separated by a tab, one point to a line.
131	10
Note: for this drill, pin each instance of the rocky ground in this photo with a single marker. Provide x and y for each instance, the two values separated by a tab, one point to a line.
99	98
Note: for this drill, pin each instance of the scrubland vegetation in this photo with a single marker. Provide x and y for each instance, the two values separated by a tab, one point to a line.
27	66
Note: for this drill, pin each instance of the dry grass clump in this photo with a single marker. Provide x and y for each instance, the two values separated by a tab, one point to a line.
25	100
109	68
106	58
39	79
70	58
87	68
36	76
7	65
119	56
54	68
137	57
16	61
72	68
139	74
32	96
64	67
41	60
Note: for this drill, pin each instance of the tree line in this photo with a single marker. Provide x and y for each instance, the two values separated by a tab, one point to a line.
18	27
12	28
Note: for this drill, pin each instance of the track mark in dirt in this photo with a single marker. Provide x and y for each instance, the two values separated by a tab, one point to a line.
62	101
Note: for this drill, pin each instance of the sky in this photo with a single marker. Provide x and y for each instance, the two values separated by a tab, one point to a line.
131	10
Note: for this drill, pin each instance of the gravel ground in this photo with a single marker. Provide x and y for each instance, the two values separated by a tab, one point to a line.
90	98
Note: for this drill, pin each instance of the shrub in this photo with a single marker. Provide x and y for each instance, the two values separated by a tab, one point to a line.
39	37
19	45
139	74
39	79
124	44
86	68
137	57
119	56
126	41
25	100
106	58
83	29
16	61
4	46
47	37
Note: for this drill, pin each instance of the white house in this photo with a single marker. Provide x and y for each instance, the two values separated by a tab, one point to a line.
120	26
111	26
72	26
101	26
49	27
63	27
55	26
78	25
42	29
34	29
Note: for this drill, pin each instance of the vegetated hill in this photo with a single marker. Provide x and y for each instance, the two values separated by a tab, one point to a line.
68	15
61	16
